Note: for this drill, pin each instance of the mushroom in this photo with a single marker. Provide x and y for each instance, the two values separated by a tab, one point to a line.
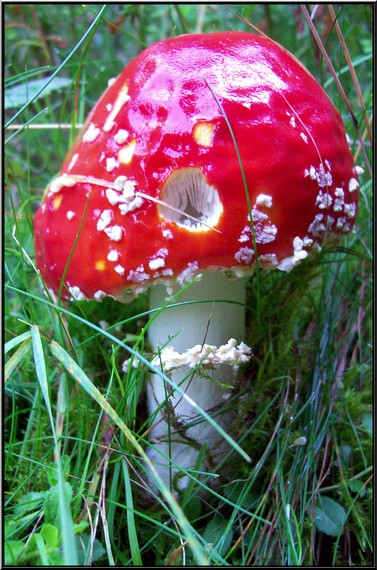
208	155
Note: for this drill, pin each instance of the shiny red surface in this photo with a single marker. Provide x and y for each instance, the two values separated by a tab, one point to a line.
272	104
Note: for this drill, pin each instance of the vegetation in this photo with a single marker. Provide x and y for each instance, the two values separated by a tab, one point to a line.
75	423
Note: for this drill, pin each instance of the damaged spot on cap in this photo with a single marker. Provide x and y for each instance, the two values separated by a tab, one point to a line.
186	191
203	134
126	153
100	265
56	202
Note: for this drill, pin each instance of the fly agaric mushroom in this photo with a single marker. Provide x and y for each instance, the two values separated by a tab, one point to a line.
207	154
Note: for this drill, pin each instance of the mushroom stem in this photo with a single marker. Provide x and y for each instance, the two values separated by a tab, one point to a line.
178	430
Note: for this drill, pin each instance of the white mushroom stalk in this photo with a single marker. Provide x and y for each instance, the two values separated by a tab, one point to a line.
206	372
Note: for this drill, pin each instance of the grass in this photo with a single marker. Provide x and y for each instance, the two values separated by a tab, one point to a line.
74	422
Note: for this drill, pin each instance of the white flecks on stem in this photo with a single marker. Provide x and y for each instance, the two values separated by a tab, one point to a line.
203	356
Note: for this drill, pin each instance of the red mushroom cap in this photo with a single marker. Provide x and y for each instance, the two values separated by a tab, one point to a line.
157	151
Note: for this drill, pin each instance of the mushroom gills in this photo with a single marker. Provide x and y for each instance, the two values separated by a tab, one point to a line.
189	201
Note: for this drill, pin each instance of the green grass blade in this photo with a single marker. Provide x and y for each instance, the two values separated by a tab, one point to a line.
131	526
15	341
16	358
40	368
68	539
